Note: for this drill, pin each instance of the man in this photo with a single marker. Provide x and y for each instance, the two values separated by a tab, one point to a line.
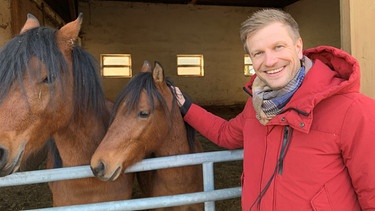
306	130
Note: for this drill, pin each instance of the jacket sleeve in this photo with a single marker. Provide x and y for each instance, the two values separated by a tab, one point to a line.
358	149
227	134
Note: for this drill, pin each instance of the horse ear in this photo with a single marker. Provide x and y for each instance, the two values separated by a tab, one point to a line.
68	34
146	67
158	73
31	22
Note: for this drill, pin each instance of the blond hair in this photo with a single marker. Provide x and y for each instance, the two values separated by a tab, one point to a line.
264	17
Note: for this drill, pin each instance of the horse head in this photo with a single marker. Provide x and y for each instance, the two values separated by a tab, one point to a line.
36	84
141	123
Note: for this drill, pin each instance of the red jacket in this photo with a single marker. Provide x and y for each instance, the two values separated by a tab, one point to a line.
329	135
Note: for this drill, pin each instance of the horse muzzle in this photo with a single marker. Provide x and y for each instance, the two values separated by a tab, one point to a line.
8	166
3	157
100	171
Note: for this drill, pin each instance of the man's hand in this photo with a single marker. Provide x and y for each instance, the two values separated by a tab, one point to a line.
183	103
180	97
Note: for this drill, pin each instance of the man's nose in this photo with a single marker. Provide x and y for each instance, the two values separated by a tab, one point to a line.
270	58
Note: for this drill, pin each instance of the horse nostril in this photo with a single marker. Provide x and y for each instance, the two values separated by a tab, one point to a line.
99	169
3	157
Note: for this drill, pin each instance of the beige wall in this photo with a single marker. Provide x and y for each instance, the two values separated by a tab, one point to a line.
358	37
5	30
319	21
13	14
160	31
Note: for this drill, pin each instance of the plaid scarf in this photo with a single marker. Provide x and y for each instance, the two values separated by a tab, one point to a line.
268	103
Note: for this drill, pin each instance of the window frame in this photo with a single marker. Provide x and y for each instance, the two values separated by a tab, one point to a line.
248	69
127	67
200	65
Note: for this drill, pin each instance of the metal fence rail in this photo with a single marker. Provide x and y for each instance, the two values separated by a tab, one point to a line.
209	195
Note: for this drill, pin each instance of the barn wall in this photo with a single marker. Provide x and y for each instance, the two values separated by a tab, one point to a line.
5	30
13	14
319	21
38	8
358	38
160	31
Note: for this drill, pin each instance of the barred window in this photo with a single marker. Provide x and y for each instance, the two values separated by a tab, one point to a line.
116	65
190	65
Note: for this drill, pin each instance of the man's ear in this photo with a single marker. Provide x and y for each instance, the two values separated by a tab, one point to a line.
299	47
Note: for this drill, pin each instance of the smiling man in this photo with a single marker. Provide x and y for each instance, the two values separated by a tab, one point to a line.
306	130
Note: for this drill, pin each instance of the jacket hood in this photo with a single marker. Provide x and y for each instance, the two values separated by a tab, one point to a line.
333	72
339	61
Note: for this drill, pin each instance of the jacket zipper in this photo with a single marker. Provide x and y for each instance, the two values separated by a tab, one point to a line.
284	148
279	165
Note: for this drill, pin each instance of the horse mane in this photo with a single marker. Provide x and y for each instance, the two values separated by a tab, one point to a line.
88	92
40	43
130	95
16	54
132	92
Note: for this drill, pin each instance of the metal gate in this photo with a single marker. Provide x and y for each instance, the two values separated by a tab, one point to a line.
208	196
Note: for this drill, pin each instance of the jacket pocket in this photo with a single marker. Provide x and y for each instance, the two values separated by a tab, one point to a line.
321	202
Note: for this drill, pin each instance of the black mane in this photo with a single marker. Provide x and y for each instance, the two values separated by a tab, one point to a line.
40	43
132	92
130	96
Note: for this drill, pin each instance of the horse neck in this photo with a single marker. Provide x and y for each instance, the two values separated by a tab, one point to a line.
176	141
78	141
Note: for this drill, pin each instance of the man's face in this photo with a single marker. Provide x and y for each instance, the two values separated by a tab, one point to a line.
275	54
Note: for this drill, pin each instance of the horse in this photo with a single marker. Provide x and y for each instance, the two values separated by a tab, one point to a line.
50	93
146	123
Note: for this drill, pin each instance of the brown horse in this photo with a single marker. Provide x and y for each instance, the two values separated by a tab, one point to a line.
49	88
147	123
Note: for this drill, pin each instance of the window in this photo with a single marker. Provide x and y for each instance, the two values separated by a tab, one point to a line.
116	65
248	66
190	65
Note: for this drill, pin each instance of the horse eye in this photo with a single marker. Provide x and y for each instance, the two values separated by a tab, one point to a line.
49	80
144	114
45	80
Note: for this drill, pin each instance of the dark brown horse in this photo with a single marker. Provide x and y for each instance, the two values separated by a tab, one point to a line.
147	123
49	88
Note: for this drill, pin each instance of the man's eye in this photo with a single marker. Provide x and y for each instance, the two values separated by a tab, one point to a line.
257	54
144	114
279	46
